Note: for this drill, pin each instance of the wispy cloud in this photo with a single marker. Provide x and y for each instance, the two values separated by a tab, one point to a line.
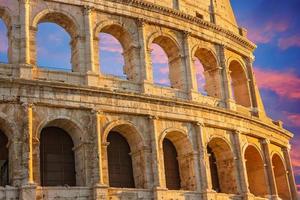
287	42
158	55
109	43
265	32
293	119
283	83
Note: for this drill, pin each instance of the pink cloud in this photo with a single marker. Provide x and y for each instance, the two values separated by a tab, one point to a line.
158	55
285	84
293	119
293	41
295	156
164	70
265	33
164	81
109	43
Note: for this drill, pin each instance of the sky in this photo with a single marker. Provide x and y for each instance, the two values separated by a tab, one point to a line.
273	25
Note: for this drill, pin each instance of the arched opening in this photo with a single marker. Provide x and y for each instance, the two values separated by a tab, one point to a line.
239	84
4	167
53	47
255	172
207	74
3	43
125	145
111	56
280	178
222	166
117	53
57	161
178	159
160	66
119	162
213	170
177	72
60	48
171	165
201	82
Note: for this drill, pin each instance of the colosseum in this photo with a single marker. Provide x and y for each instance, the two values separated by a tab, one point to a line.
133	139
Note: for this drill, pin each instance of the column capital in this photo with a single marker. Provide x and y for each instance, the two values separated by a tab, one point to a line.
25	1
88	9
141	22
27	105
97	112
199	123
266	141
153	117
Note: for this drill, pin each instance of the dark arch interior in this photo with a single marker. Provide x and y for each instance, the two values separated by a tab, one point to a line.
119	161
57	162
171	165
4	179
213	170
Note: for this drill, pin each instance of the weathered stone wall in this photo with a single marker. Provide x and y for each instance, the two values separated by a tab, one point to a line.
88	104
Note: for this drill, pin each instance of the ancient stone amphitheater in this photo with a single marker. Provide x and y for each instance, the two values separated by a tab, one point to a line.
85	135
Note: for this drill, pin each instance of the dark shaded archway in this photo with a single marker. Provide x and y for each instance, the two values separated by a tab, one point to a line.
222	166
4	170
119	162
171	165
57	162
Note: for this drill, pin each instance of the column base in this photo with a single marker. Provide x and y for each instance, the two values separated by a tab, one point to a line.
231	104
208	194
28	192
26	71
100	192
92	79
147	87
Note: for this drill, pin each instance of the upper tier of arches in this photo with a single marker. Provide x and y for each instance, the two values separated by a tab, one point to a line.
136	38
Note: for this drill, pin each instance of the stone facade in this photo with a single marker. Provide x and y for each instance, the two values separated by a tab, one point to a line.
251	150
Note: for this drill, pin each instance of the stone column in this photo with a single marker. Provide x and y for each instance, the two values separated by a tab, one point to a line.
190	69
24	41
159	179
92	73
28	187
290	173
99	187
240	162
269	169
226	82
145	55
205	176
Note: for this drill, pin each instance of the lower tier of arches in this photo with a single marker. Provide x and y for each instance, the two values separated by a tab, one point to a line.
66	153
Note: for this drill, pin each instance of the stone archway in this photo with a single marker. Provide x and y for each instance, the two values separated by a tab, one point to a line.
210	71
176	67
239	84
280	177
130	51
255	171
136	147
78	138
185	158
4	160
67	23
222	166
